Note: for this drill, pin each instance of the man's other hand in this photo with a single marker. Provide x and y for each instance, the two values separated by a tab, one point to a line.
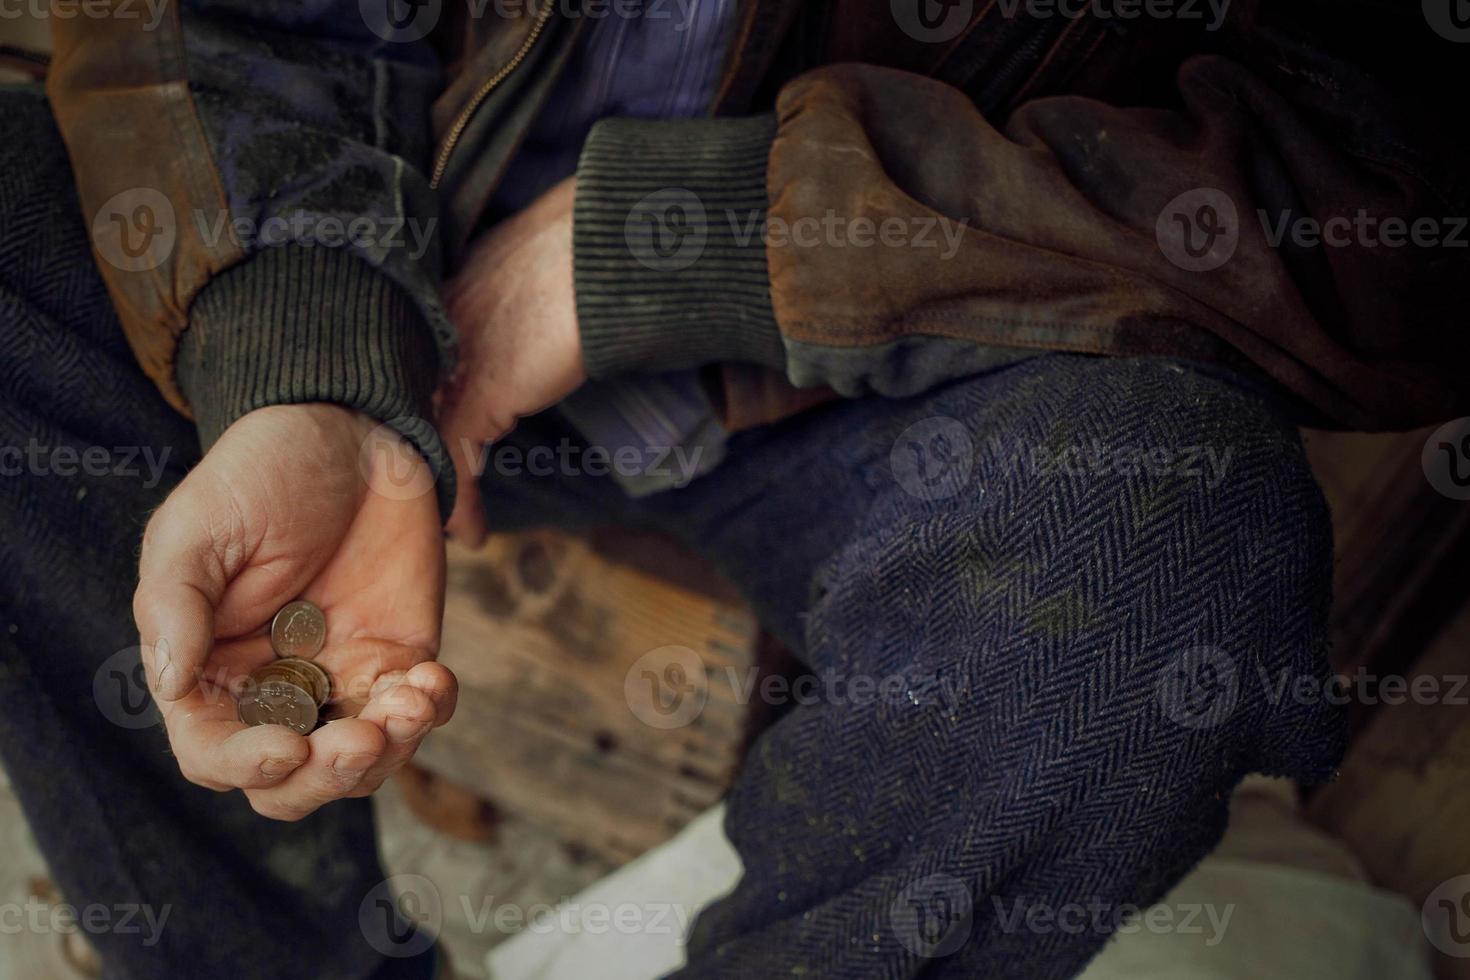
520	350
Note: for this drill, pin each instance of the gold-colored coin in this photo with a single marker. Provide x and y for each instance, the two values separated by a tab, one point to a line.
303	673
289	692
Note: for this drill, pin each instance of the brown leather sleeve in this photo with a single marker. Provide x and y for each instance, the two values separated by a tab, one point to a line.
1072	229
143	169
221	154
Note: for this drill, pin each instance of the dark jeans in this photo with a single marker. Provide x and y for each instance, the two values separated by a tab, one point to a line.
1067	615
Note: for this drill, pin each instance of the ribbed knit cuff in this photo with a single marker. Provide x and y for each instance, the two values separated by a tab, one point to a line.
298	324
669	246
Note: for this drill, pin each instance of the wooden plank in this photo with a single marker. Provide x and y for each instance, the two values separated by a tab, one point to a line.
543	631
1402	803
1399	545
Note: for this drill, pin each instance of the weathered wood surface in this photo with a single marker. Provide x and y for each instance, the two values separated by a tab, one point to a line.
1397	540
1402	803
543	630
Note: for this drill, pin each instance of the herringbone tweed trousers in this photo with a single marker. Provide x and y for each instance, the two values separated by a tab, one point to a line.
1051	615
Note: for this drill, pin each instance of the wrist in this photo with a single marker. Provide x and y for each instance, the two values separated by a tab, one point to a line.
309	324
670	259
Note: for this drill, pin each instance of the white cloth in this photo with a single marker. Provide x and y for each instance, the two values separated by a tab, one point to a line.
657	897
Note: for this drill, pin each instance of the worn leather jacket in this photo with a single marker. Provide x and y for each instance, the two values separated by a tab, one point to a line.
888	194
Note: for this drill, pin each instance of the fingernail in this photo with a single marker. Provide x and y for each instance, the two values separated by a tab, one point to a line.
353	765
163	661
405	729
278	767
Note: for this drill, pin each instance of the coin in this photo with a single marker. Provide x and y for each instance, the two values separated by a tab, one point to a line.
279	703
299	630
304	674
289	691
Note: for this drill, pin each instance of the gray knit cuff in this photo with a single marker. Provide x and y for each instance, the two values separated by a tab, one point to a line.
298	324
669	246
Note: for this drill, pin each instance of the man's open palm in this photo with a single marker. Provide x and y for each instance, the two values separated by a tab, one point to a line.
288	505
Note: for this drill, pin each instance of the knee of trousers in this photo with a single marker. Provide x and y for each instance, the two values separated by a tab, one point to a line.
1133	541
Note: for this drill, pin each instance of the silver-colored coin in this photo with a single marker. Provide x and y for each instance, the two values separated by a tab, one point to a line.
279	703
299	630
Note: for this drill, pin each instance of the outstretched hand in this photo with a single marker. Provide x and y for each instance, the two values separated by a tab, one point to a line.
282	507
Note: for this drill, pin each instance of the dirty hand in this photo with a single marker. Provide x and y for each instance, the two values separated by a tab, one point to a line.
283	507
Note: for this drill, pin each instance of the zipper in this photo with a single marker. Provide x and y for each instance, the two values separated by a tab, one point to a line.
1032	42
461	121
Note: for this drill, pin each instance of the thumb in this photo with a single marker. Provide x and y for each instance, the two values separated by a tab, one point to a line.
180	582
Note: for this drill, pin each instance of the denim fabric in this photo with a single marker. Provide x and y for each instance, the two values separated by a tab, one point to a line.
1075	647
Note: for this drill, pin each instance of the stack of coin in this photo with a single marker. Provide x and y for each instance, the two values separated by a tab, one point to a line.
291	690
